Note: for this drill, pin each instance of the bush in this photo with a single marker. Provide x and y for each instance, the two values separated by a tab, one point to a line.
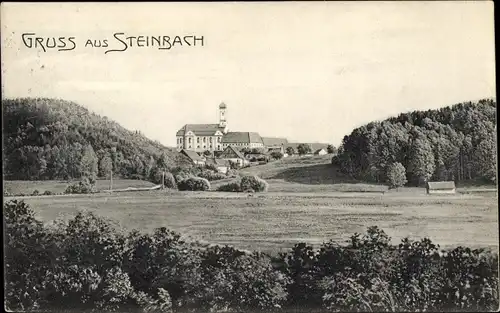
170	181
183	175
276	155
35	192
253	183
194	184
211	175
47	193
233	186
82	187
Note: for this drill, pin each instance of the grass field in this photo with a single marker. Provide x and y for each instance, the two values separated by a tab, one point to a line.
276	220
58	186
308	201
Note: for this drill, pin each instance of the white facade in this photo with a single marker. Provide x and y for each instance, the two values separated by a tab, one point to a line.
200	143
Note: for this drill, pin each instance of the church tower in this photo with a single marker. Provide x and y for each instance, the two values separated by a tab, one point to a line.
222	115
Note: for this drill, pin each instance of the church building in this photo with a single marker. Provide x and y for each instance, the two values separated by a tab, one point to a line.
216	137
202	137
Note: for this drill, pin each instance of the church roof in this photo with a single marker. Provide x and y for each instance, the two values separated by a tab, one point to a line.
270	141
200	129
243	137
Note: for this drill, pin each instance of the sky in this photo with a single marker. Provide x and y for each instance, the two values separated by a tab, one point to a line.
310	72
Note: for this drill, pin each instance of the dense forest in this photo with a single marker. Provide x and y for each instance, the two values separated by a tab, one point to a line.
57	139
452	143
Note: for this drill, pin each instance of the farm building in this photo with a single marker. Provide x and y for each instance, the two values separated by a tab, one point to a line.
194	157
234	155
320	152
275	144
221	165
440	187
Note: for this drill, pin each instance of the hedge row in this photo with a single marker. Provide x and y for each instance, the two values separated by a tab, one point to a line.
85	264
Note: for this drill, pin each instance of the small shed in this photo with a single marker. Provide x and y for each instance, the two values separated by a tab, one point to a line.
440	187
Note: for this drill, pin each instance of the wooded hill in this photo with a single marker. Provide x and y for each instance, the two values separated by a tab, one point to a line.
452	143
57	139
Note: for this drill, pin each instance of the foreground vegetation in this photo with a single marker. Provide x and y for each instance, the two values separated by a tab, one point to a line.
88	264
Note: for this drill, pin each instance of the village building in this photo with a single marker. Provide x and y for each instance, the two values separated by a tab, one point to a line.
232	154
194	157
441	187
275	144
320	152
221	165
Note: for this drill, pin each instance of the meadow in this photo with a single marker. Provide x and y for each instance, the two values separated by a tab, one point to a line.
308	201
275	221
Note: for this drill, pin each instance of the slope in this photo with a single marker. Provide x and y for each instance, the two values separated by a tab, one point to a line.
47	138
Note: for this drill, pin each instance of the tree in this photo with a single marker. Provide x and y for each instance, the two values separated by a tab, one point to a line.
245	151
207	153
88	164
330	149
149	167
290	151
421	162
105	166
485	159
396	175
258	151
303	149
277	155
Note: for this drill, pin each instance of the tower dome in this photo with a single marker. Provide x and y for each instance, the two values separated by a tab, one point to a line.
222	105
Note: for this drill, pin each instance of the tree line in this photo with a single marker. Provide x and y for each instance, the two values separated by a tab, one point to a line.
56	139
452	143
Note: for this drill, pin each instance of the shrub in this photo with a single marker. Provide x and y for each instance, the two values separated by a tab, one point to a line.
253	183
276	155
47	193
82	187
169	181
233	186
183	175
194	184
211	175
35	192
396	175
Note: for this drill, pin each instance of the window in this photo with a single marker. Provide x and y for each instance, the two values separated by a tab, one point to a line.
204	139
189	141
210	139
198	140
218	139
198	146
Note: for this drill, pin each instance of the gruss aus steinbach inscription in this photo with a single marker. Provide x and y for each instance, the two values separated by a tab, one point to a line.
120	42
